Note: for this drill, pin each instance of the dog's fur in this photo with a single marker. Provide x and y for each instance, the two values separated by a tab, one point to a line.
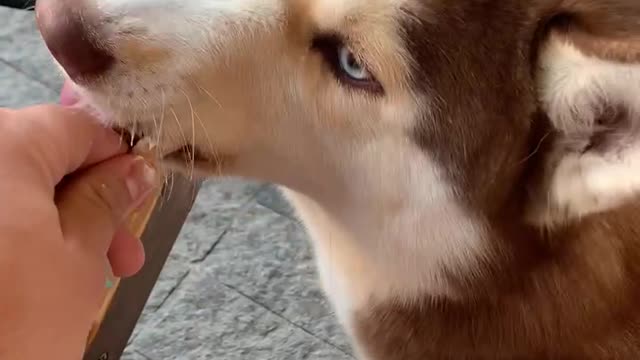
477	202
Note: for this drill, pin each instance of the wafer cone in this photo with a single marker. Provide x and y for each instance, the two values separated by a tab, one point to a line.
137	224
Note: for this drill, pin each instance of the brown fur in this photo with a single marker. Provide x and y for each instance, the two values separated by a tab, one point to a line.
564	293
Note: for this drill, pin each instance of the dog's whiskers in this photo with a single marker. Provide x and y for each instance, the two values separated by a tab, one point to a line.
201	88
161	128
193	135
217	160
182	134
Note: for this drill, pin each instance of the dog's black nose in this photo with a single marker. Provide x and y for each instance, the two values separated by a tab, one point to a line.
71	40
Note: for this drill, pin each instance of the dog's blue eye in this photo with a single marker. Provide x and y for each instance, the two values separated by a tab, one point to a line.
350	65
345	66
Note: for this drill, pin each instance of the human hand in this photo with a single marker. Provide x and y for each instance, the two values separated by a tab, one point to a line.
67	187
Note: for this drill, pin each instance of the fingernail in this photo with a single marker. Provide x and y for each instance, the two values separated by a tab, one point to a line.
141	179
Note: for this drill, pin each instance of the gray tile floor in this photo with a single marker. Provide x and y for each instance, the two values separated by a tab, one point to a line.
240	282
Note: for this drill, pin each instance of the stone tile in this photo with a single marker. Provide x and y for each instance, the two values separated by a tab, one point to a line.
218	202
268	257
132	354
21	45
17	90
208	320
272	198
172	275
174	271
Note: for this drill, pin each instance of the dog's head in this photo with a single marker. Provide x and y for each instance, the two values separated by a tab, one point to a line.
497	105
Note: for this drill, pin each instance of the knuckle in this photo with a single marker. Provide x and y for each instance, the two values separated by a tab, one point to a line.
29	145
15	139
39	133
21	126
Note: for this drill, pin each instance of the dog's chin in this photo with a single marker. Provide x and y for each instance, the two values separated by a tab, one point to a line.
196	167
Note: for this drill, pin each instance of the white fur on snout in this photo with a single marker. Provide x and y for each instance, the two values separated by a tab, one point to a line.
575	88
162	48
190	33
191	23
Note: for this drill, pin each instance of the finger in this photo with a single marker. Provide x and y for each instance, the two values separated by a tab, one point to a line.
93	204
126	254
59	141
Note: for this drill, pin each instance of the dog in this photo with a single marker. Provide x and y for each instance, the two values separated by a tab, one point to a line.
468	171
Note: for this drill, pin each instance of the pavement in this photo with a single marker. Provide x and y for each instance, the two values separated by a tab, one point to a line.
240	282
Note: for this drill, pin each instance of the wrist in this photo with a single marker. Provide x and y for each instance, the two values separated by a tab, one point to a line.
36	330
42	341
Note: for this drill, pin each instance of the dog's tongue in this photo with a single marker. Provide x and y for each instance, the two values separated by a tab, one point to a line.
68	96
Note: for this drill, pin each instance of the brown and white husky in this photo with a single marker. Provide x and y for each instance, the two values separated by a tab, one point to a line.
468	170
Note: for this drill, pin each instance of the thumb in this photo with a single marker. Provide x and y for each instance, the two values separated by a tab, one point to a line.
93	204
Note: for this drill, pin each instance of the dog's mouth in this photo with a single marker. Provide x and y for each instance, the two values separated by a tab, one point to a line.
127	137
186	157
141	144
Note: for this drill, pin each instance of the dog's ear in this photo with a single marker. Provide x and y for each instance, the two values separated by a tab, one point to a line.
588	78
